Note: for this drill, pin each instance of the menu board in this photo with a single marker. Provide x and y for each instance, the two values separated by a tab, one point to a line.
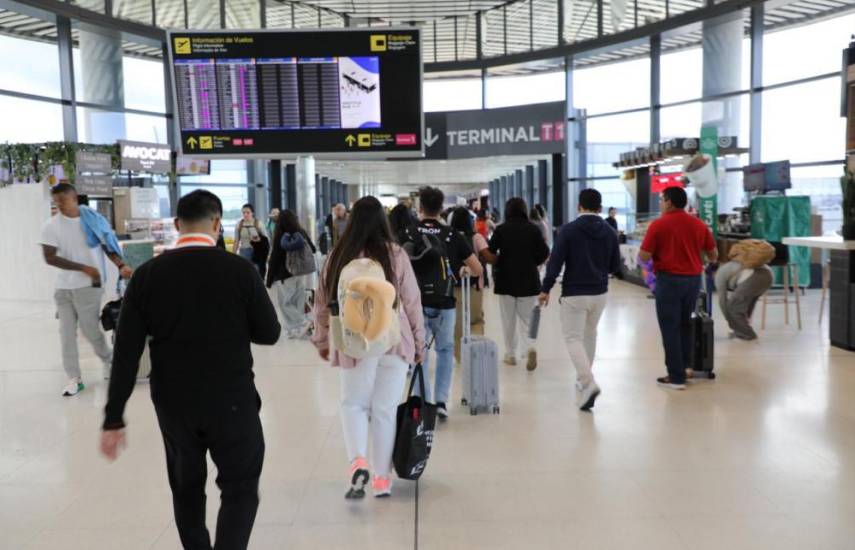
340	93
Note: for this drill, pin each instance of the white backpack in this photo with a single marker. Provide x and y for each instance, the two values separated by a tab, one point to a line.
366	323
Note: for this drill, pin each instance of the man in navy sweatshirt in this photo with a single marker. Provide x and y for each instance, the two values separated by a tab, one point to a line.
587	249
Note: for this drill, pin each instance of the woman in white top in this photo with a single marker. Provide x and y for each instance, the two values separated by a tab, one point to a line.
248	231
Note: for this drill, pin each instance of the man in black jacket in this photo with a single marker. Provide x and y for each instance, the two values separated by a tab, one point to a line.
199	308
588	250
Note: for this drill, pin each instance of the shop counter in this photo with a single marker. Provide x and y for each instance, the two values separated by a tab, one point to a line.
841	310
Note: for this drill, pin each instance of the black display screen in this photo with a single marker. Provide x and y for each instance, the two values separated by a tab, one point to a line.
273	93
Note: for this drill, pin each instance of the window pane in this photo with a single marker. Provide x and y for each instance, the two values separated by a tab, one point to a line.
222	172
170	14
822	185
203	14
681	121
452	95
613	87
243	14
682	75
133	10
26	121
610	136
505	91
805	51
144	85
98	126
804	130
93	5
19	72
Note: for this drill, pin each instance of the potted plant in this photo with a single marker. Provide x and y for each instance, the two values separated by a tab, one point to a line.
847	187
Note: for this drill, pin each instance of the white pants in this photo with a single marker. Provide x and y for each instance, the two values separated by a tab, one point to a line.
371	391
579	318
513	310
291	295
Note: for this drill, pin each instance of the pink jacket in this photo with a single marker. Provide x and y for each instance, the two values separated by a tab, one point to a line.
412	319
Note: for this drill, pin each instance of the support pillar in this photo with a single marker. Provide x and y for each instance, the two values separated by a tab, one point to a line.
305	190
722	49
103	83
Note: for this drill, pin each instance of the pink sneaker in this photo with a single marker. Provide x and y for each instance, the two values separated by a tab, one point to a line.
359	476
382	486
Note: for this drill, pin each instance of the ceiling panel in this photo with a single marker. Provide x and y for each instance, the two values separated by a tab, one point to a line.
468	172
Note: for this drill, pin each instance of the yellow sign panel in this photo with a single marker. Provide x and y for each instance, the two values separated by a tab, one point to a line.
378	42
182	45
205	142
350	140
364	140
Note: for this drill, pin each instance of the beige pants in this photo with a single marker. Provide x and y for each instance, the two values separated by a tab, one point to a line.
477	311
580	316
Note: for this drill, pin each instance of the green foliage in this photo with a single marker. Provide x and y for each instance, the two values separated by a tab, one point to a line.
29	162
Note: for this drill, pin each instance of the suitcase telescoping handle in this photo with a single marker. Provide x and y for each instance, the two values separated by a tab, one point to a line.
466	320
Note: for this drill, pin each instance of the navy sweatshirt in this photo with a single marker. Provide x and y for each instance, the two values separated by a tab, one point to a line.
588	250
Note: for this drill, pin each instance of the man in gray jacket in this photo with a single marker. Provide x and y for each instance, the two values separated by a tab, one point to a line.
739	288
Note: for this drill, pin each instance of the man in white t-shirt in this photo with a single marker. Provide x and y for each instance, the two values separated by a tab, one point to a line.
78	284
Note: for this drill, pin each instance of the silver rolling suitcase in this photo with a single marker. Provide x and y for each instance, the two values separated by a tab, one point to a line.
479	357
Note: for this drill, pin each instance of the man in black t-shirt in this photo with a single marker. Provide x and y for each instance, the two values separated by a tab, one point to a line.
439	308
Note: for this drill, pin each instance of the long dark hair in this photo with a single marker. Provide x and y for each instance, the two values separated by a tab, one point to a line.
461	221
400	218
287	223
516	209
367	234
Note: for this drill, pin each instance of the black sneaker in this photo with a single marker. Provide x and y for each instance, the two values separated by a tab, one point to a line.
442	411
665	382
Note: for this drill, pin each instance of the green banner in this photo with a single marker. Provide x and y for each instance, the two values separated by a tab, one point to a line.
708	206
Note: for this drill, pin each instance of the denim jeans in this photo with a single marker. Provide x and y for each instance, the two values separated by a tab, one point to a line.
439	323
676	297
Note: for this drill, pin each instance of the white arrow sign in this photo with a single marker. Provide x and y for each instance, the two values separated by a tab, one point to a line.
430	139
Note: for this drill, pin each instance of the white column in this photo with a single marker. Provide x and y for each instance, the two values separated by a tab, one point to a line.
306	195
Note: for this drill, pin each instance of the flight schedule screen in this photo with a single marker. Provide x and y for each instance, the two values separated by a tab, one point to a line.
351	92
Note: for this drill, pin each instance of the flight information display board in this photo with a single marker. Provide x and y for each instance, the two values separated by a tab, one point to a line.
341	93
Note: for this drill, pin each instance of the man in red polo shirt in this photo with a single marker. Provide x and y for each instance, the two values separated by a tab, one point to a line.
675	242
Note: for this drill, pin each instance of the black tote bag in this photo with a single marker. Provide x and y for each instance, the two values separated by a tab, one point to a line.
414	434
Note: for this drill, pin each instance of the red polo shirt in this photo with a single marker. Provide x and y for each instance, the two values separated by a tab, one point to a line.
676	241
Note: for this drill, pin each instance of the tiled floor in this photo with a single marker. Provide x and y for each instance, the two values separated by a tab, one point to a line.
764	457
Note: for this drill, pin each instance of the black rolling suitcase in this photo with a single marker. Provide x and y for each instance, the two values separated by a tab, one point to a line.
703	341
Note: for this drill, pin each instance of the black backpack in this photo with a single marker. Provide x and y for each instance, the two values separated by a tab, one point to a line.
428	252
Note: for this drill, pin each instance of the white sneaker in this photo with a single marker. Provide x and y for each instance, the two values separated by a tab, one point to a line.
510	359
588	395
73	387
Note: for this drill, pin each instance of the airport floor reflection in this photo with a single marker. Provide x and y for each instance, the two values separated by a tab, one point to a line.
763	457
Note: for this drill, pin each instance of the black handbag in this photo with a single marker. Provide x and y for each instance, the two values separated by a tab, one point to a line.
414	433
110	315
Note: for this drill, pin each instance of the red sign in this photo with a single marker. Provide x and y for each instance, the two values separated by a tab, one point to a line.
660	182
405	140
237	141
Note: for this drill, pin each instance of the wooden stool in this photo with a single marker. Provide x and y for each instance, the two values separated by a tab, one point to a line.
791	272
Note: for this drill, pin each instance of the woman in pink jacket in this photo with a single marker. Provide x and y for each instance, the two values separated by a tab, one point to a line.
371	388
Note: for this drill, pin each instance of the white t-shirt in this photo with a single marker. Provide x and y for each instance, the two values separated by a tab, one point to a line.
67	235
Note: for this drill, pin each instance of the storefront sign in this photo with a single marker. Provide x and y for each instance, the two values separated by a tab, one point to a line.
94	186
146	157
660	182
708	204
531	129
99	163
